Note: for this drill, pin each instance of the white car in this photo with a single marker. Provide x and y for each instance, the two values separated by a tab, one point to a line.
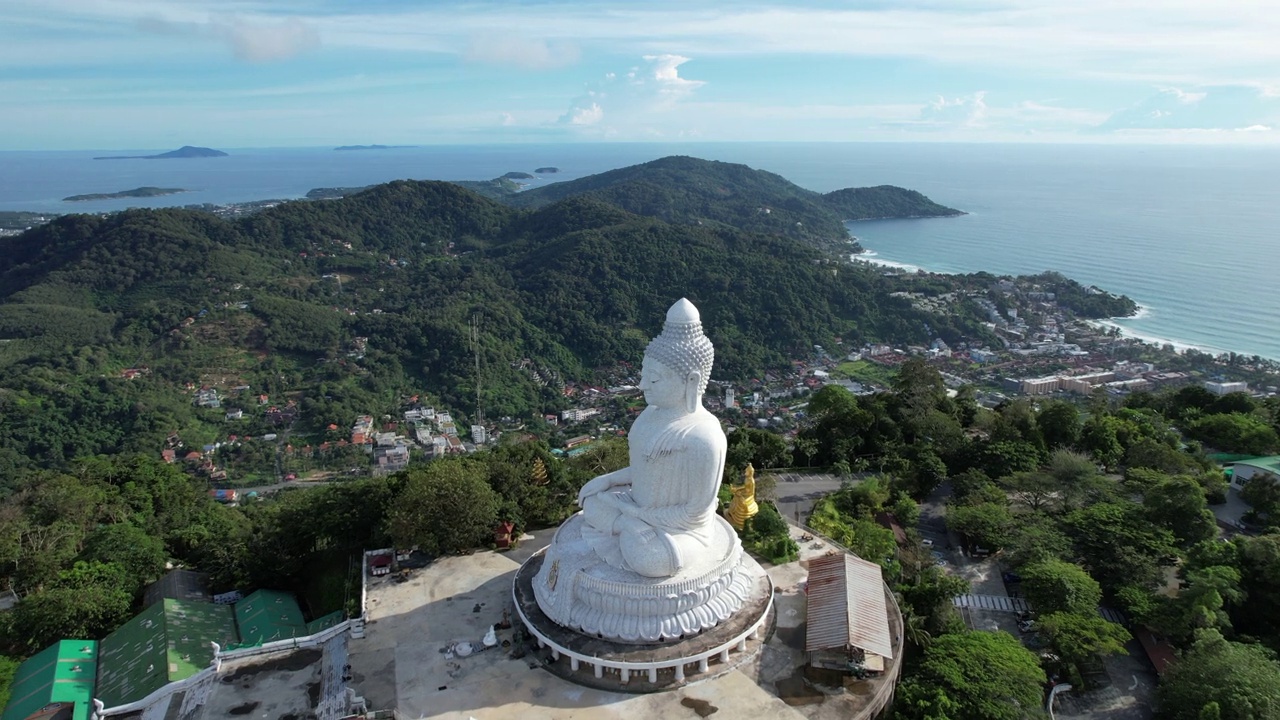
926	542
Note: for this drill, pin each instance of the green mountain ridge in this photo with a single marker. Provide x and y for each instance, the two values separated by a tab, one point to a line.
278	300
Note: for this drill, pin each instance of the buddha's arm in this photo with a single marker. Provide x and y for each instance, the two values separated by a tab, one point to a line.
699	471
604	483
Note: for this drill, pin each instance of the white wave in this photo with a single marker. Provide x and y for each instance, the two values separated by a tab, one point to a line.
870	257
1179	345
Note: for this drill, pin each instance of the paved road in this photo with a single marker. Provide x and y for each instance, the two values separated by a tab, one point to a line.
266	489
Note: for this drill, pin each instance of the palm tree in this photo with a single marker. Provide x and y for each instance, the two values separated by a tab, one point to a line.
913	626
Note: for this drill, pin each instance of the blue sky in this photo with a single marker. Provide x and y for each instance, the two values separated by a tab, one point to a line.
104	74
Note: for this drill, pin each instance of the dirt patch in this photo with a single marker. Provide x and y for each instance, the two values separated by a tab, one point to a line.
293	662
244	709
794	691
313	693
701	707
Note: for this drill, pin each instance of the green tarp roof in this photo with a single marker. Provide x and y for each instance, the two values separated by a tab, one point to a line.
166	642
61	673
269	615
1270	464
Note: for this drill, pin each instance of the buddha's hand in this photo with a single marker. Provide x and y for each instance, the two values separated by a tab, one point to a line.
601	484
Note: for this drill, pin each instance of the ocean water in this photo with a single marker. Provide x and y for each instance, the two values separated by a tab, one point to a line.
1192	233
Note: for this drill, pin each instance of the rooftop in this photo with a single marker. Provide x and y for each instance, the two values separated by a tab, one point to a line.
268	615
168	641
180	585
847	605
61	673
1270	463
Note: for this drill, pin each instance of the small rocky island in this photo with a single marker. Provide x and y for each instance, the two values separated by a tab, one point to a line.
547	170
139	192
517	175
186	151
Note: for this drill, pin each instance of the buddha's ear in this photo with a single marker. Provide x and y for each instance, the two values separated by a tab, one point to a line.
692	382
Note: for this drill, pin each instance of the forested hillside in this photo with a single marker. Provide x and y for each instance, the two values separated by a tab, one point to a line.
688	190
343	304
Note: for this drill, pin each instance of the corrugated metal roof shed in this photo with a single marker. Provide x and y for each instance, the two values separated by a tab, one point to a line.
847	606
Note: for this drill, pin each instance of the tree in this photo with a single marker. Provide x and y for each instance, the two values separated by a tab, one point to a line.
445	507
1075	638
863	537
1119	545
1178	505
973	675
141	555
930	594
1056	586
1034	489
985	524
87	601
1059	423
1035	538
1098	438
1235	432
760	448
1242	680
1001	458
832	400
1202	603
1262	492
1076	476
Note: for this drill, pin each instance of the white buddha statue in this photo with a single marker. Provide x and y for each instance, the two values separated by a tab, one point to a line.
648	558
655	517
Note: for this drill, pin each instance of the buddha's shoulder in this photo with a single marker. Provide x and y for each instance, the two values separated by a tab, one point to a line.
706	430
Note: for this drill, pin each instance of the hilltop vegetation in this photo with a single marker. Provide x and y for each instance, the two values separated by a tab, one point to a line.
685	190
278	301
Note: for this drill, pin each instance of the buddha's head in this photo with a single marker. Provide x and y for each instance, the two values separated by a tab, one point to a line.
677	364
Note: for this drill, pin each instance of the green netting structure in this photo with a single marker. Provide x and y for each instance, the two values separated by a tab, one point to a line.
267	616
324	622
1228	458
61	673
168	641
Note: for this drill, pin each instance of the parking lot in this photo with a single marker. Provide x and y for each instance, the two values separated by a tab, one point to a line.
795	493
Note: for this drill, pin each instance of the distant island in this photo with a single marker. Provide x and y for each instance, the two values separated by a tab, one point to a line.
547	171
140	192
186	151
515	175
374	147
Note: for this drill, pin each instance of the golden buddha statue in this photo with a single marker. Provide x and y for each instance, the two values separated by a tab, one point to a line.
744	505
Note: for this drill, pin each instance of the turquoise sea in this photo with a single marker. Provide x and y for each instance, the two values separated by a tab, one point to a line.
1190	232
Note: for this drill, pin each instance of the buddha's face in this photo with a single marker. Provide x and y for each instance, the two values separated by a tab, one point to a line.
662	386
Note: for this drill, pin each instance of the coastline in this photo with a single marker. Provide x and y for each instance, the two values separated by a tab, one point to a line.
870	257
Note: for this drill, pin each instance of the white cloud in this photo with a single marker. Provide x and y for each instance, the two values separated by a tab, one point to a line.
263	42
1224	107
646	102
590	114
251	40
1185	41
511	50
969	111
507	119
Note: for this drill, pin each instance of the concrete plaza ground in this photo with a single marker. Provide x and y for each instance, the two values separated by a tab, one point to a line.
403	661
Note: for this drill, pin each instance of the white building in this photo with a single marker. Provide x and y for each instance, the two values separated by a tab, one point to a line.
982	356
478	434
1226	388
730	400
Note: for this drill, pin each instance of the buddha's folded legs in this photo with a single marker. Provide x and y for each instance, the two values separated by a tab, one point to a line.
647	550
